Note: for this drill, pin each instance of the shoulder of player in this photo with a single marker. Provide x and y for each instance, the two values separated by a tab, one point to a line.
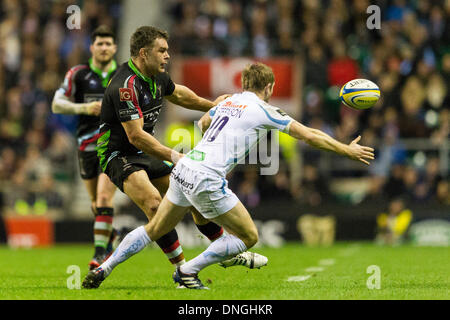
272	112
75	70
265	106
124	78
124	86
79	67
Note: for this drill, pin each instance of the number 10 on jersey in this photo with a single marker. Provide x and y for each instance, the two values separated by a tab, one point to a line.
215	128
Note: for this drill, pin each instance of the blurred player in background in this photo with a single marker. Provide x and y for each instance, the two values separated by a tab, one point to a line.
137	163
81	94
198	179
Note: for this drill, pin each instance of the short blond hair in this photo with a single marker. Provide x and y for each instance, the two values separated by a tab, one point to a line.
257	76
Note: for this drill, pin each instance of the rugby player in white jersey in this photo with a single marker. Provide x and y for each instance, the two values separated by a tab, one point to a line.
199	180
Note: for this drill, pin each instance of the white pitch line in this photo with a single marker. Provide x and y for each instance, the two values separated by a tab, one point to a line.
298	278
323	262
327	262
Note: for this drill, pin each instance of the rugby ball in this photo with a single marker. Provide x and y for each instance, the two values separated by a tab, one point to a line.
359	94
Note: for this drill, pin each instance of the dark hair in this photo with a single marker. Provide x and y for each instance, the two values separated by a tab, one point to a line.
102	31
143	37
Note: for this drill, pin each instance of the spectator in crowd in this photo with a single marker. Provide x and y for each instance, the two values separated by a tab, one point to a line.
393	224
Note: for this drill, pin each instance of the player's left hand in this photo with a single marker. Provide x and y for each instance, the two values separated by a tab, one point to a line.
219	99
360	153
176	156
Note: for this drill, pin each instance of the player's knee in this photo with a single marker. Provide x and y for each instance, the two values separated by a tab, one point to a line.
104	200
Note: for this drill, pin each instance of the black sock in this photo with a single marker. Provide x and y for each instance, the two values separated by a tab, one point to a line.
210	230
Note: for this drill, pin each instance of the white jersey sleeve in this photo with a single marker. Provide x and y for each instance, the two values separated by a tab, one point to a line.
274	118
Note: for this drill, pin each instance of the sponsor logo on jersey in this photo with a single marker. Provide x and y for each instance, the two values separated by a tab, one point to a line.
231	109
152	114
127	112
181	181
125	94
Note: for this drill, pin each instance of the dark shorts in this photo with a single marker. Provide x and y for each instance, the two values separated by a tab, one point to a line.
120	167
89	164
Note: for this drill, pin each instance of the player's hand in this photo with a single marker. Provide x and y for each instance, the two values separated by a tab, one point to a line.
176	156
93	108
221	98
360	153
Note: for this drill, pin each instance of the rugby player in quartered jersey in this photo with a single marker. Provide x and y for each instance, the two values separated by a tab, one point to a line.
130	96
85	84
81	94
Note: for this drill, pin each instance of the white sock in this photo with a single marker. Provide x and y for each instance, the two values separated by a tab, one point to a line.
219	250
134	242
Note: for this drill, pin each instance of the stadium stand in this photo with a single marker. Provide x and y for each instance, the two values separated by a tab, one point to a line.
409	58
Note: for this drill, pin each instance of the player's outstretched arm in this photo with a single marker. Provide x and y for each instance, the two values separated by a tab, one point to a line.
185	97
147	143
321	140
62	104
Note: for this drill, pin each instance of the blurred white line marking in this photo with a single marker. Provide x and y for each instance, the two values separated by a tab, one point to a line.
327	262
298	278
323	262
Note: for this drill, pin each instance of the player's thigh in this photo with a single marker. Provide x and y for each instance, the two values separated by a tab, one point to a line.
238	222
139	188
105	191
198	218
166	218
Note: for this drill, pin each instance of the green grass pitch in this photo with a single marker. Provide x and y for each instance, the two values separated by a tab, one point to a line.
338	272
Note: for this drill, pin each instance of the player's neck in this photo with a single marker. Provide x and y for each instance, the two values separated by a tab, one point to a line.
102	67
259	94
139	65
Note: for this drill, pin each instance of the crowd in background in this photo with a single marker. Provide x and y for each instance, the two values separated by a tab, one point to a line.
37	148
409	58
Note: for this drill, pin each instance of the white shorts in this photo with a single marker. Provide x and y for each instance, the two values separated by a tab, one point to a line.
207	192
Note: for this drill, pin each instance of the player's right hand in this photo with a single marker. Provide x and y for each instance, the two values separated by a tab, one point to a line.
360	153
93	108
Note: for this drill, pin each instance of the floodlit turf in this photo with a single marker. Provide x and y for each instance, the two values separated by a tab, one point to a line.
338	272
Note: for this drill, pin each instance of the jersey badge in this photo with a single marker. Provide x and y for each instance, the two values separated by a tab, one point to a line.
125	94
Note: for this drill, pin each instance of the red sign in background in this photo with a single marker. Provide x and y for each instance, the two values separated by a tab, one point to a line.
213	77
29	231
